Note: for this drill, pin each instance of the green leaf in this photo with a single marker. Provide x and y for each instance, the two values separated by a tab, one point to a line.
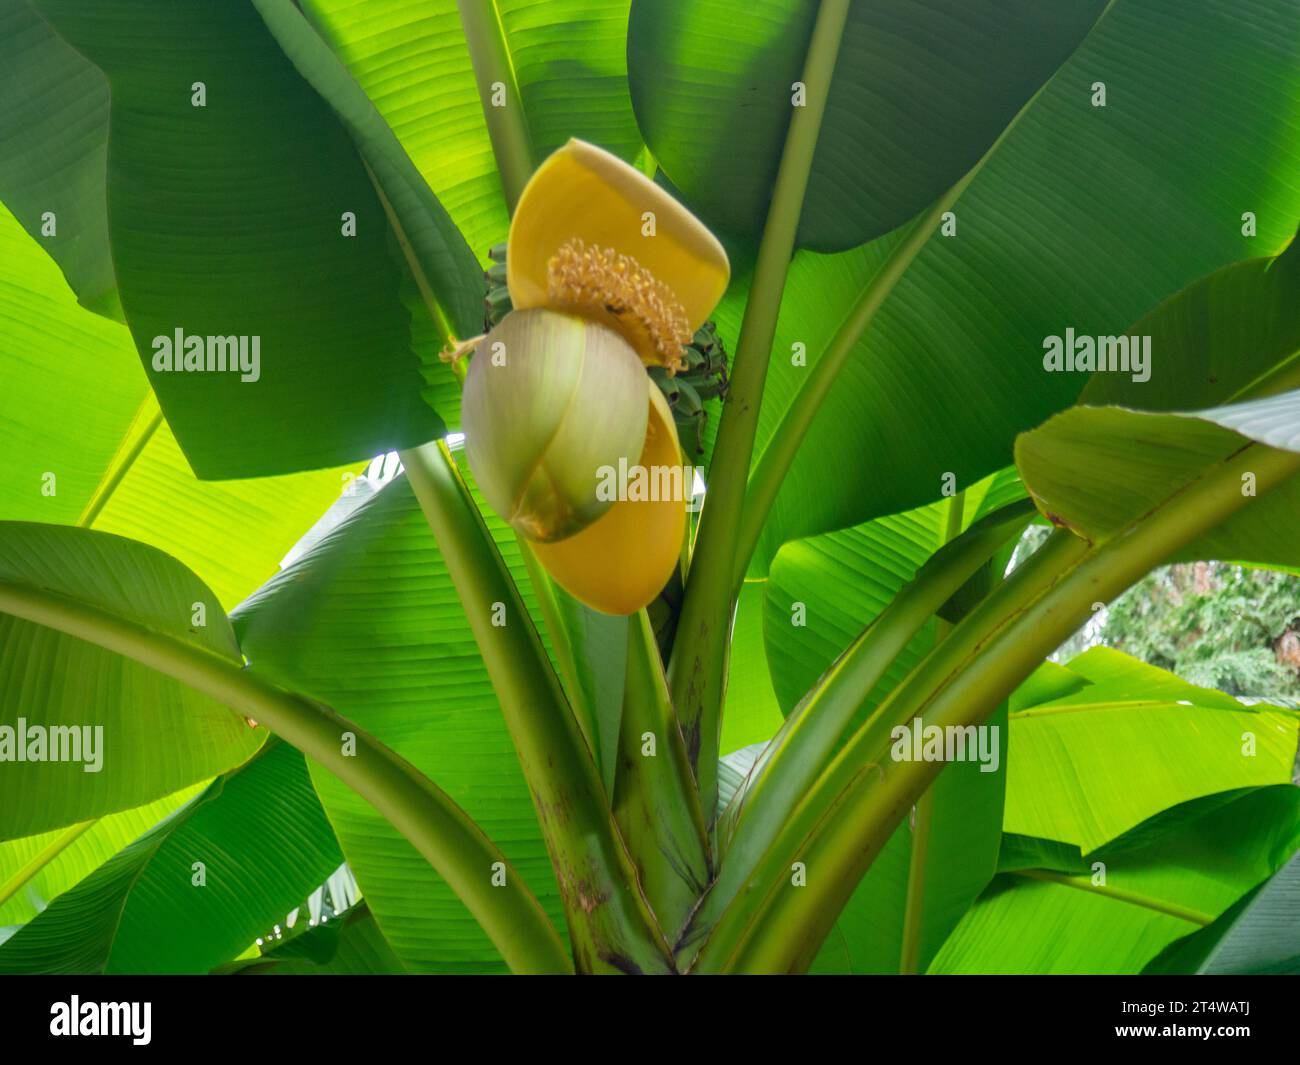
95	451
150	735
751	712
1098	470
570	64
274	171
35	870
417	682
1050	922
263	843
1233	332
569	60
445	269
439	829
1087	767
63	368
1259	934
875	559
53	151
425	815
921	89
1084	218
413	65
352	945
233	534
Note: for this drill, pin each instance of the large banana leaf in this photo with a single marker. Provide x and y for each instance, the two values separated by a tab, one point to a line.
1068	920
1235	331
53	151
60	368
569	61
84	442
1097	470
1084	218
352	945
150	734
436	253
233	534
220	181
1089	766
416	681
751	713
1260	934
1082	771
263	844
910	109
412	62
35	870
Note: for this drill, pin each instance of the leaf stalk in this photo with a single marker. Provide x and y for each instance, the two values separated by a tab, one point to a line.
697	670
860	799
439	829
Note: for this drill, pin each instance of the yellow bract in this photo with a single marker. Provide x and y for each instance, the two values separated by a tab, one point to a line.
584	202
619	563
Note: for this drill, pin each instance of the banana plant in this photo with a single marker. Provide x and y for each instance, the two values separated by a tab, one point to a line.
722	354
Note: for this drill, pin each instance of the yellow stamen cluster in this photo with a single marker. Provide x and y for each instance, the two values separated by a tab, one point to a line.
602	284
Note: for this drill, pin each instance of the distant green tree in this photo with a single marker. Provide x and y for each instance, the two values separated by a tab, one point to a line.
1213	623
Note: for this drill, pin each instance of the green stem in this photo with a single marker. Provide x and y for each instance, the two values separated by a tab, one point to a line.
143	426
39	861
857	803
494	71
761	808
1183	913
448	839
851	774
746	902
562	642
778	456
783	445
655	800
923	811
914	904
698	667
609	921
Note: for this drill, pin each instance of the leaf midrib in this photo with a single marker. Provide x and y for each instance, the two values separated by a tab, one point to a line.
1169	909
